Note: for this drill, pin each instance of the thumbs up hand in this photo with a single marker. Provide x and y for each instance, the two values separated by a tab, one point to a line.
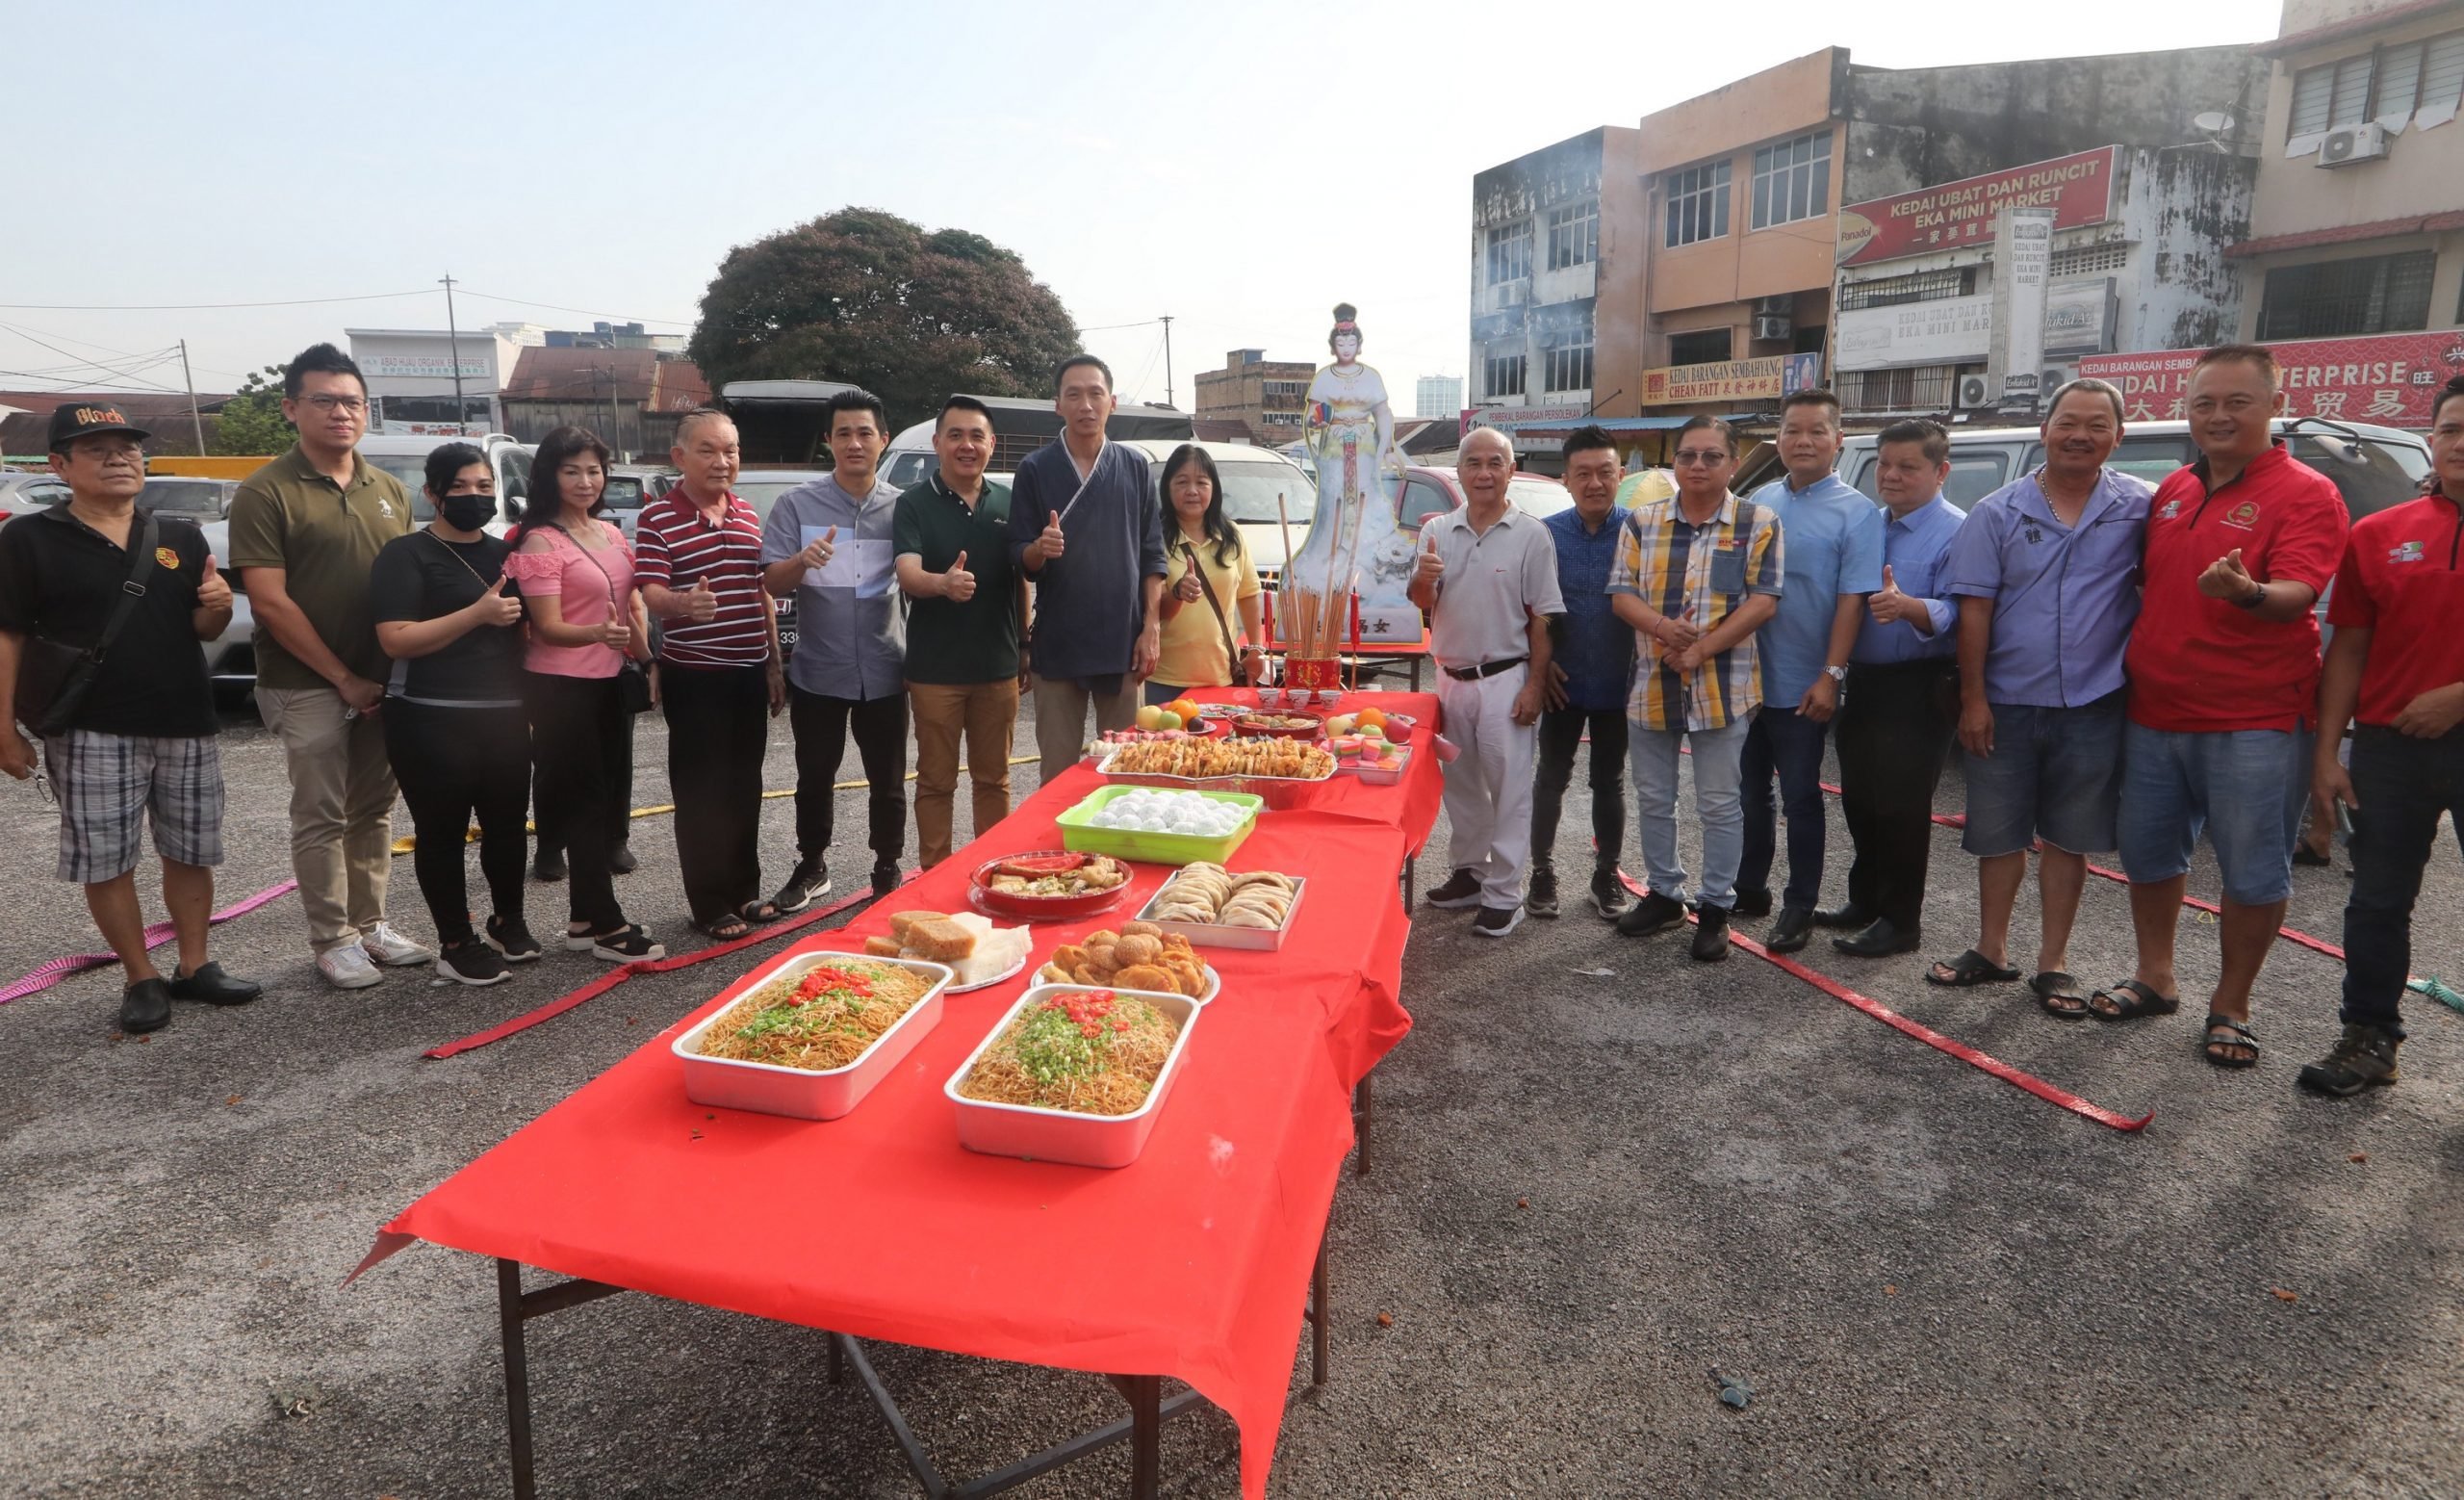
958	582
1430	567
701	606
818	553
498	605
2227	579
1049	543
213	589
1889	606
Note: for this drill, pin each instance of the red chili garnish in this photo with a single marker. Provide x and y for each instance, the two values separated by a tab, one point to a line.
1091	1029
1039	864
821	981
1120	1025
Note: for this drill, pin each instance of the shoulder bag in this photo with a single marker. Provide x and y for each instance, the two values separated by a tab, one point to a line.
53	677
1238	675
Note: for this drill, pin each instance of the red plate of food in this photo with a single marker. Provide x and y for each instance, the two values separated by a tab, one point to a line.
1049	885
1281	723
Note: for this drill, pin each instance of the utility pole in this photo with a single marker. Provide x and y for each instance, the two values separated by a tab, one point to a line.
189	381
453	352
1168	359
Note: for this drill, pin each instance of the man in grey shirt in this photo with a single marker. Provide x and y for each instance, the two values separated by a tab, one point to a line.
828	543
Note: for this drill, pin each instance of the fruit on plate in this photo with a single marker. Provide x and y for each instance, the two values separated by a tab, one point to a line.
1184	709
1157	718
1341	724
1371	733
1370	719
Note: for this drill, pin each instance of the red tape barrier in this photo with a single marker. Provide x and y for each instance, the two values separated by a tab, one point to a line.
51	974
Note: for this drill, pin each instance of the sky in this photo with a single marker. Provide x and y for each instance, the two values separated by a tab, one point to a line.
1241	168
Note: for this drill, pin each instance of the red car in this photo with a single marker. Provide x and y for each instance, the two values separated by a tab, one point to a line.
1431	491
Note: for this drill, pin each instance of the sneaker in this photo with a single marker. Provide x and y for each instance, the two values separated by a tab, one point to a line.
1541	901
806	882
213	987
146	1006
471	961
1462	889
1609	893
2364	1057
392	949
348	968
1751	903
1496	922
1654	914
1710	943
621	860
549	865
886	877
625	946
511	937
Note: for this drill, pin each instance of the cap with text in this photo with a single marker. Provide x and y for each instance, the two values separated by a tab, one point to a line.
84	418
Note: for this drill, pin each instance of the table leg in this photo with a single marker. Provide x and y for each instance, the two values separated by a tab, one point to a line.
1363	1111
1415	674
1317	1320
838	1361
516	1376
1146	1436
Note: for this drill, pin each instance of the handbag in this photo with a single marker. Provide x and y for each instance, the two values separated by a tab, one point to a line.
633	678
1239	674
53	677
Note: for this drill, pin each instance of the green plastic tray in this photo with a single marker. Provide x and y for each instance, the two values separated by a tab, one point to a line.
1081	837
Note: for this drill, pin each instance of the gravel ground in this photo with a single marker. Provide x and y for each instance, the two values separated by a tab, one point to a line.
1590	1192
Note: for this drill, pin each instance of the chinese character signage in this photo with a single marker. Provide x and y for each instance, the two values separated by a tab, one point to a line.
2386	378
1731	379
1962	215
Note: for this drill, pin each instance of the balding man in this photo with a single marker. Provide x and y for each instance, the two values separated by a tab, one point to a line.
1488	578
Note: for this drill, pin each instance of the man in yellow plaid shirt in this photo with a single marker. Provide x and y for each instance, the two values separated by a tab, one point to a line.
1696	575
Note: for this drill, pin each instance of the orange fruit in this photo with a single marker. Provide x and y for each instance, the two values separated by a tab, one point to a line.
1187	710
1370	718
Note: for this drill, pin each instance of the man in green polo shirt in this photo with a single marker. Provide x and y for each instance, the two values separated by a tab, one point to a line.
305	531
951	535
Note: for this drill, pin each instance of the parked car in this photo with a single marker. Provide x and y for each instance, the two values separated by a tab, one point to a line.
1254	480
760	488
406	458
25	494
1429	491
230	657
190	499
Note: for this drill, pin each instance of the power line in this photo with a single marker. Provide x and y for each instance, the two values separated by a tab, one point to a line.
97	363
585	312
198	308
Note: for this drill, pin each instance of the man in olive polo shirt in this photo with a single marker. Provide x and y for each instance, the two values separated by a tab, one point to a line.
305	531
951	535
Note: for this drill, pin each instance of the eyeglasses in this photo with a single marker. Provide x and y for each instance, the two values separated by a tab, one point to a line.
349	405
1686	457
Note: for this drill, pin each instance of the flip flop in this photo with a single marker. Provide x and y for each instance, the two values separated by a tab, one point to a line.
2053	985
2241	1037
2131	1000
724	929
761	913
1968	970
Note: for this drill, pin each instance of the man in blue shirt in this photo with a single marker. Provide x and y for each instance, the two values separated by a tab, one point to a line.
1833	538
1591	666
1902	694
2046	573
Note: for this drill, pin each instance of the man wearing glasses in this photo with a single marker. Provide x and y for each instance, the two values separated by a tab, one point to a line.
305	531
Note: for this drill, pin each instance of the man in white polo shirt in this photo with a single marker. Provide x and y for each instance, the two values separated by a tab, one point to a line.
1488	578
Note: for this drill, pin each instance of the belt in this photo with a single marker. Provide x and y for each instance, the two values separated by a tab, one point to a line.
1473	674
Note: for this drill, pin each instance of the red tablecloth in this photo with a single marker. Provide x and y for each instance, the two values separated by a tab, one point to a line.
1192	1262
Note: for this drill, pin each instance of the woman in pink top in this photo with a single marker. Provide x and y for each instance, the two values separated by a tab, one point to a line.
577	581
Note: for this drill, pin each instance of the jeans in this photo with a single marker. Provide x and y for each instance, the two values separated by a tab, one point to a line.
575	741
2245	788
1561	732
1786	742
718	729
2054	774
986	715
1895	727
453	764
1718	754
342	810
2402	785
821	724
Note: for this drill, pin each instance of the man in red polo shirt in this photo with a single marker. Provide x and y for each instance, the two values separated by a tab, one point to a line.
2224	668
2397	665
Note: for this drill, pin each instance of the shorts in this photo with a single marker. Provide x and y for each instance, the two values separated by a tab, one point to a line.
2054	774
110	785
2246	787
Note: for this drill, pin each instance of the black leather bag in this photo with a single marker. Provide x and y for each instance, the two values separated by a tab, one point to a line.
53	677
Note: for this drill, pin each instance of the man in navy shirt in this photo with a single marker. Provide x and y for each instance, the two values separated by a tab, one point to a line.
1591	666
1087	531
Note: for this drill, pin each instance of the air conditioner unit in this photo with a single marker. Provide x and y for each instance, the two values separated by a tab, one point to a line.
1783	305
1767	326
1974	391
2353	143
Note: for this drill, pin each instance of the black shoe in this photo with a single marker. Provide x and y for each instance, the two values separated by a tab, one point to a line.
1710	943
2364	1057
1851	917
1496	922
550	865
1880	940
1751	903
146	1006
213	987
1541	901
1609	893
621	860
623	945
1790	932
1653	914
886	877
511	937
1462	889
471	961
806	882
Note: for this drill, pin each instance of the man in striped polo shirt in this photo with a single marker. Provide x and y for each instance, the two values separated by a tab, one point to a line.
697	554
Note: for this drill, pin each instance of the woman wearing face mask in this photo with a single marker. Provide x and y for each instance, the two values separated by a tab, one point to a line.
1211	588
453	723
587	618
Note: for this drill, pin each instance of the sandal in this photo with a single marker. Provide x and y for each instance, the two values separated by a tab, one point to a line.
761	913
2241	1046
1970	968
2129	999
2059	993
724	929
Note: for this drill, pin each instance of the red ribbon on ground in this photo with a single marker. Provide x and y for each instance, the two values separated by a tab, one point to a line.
51	974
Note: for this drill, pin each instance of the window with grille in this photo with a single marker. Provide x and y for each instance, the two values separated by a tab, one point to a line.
2088	259
1698	203
1705	346
1510	252
1502	375
1792	180
1923	286
1574	235
2378	85
2337	299
1914	388
1568	366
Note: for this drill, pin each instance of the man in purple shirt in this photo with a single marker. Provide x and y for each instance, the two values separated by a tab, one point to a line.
2046	573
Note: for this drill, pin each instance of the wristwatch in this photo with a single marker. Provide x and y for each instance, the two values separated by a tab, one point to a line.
2257	595
1838	674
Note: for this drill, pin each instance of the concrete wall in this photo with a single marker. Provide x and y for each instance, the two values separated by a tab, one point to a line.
2422	174
2180	210
1528	312
1776	103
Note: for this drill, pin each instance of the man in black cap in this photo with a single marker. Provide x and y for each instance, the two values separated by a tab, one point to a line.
101	609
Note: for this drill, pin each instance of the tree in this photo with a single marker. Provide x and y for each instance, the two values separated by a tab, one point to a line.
252	421
865	296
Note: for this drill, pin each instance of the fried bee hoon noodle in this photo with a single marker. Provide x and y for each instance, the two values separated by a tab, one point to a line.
1089	1051
818	1019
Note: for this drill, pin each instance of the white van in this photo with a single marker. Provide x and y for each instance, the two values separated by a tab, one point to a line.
406	458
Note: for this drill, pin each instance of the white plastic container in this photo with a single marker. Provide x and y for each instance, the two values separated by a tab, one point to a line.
1064	1135
802	1093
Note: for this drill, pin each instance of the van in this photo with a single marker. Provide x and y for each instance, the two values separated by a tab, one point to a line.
406	458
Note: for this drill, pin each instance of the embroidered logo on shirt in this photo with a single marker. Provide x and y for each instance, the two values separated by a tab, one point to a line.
2172	509
2242	516
2409	552
2034	535
385	508
165	557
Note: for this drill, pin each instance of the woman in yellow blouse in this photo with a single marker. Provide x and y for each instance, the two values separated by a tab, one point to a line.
1210	588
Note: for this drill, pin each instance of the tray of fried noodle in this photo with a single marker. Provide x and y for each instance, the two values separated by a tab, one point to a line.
813	1035
1074	1073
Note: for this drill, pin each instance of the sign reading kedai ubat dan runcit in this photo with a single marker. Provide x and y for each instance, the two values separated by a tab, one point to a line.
2078	189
